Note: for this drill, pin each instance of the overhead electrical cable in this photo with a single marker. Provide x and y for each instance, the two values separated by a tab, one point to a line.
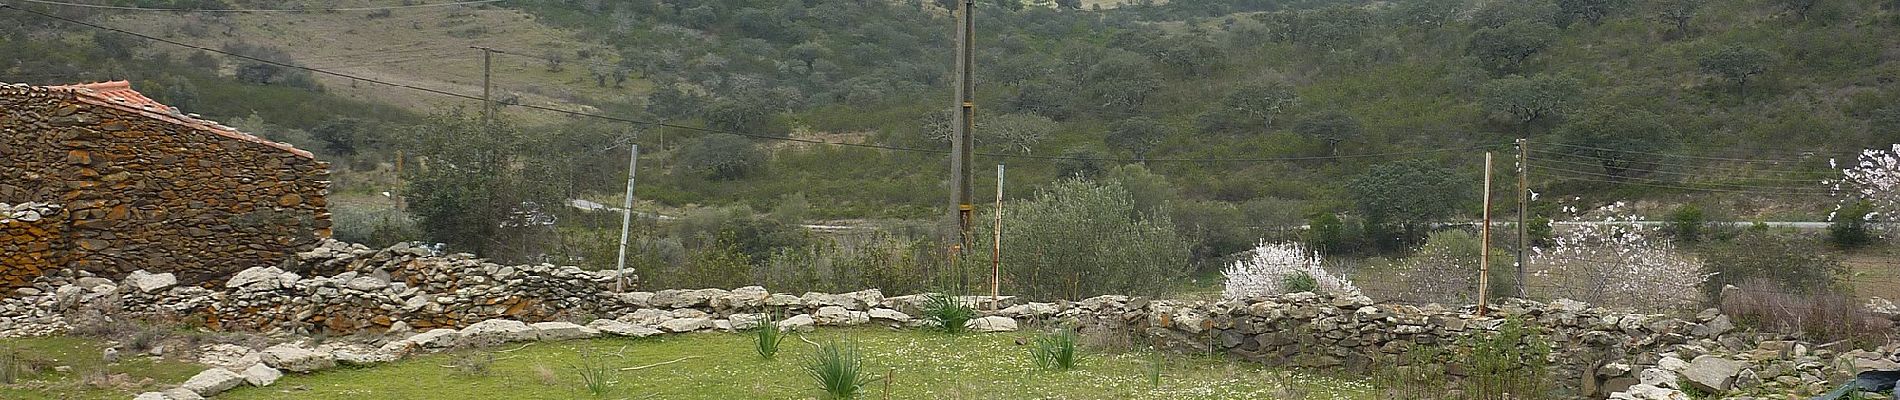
255	10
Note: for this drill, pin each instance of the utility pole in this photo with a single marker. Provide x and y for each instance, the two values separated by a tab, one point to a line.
1484	253
996	254
1523	213
626	218
962	142
488	103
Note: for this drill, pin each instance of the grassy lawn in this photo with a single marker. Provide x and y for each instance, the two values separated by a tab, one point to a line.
924	366
38	378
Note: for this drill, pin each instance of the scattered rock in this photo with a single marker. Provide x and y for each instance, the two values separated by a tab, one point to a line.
563	331
294	358
992	324
261	375
799	323
686	324
1712	374
147	282
212	381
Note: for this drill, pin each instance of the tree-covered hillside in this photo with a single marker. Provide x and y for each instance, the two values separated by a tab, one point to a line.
1244	115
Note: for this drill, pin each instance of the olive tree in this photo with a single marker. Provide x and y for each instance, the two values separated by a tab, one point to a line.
1079	238
1736	63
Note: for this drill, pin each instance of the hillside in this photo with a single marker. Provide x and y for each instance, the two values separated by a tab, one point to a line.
1252	115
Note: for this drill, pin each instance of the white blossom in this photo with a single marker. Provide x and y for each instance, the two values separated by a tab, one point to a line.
1621	263
1265	271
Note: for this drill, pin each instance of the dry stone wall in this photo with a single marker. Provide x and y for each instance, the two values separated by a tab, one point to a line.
143	188
419	301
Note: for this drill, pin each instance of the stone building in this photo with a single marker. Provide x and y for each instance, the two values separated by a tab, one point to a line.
99	178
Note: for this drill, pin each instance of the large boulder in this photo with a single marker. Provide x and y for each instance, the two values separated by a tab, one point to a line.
618	328
1713	374
147	282
557	330
261	278
994	323
261	375
889	315
799	323
497	331
839	316
294	358
213	381
686	324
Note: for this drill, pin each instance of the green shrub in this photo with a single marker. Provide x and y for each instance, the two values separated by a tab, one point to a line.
767	337
1511	360
1079	238
1687	223
1849	229
1790	263
948	312
1299	281
838	369
1055	350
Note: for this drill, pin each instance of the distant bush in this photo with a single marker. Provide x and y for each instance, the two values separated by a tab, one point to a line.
373	224
1819	317
1850	227
1687	223
1079	238
1787	263
722	157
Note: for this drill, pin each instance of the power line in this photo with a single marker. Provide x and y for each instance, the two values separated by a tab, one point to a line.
1669	164
122	8
1735	185
1745	160
1686	187
1680	173
710	130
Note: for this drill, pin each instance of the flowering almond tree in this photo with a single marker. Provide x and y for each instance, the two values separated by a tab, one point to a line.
1270	267
1617	263
1874	179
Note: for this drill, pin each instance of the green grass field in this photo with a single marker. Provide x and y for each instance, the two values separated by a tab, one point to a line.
921	365
36	360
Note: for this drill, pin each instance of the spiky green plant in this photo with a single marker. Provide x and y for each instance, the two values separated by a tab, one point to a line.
948	312
838	369
1055	350
767	339
594	373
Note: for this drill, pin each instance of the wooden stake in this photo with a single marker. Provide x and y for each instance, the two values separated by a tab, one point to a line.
1484	253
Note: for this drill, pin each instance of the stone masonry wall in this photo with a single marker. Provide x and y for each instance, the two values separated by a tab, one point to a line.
438	301
146	188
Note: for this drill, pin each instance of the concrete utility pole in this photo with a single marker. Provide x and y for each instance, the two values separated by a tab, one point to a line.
1484	253
626	220
962	142
1523	213
488	103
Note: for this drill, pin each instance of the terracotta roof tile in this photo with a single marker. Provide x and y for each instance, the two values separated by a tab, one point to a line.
119	95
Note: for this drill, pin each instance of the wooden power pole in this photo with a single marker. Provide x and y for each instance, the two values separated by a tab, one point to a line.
488	103
1484	252
1523	213
626	219
961	142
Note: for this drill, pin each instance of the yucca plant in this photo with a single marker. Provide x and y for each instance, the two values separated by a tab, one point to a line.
949	313
594	373
837	368
1055	350
1155	362
768	337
